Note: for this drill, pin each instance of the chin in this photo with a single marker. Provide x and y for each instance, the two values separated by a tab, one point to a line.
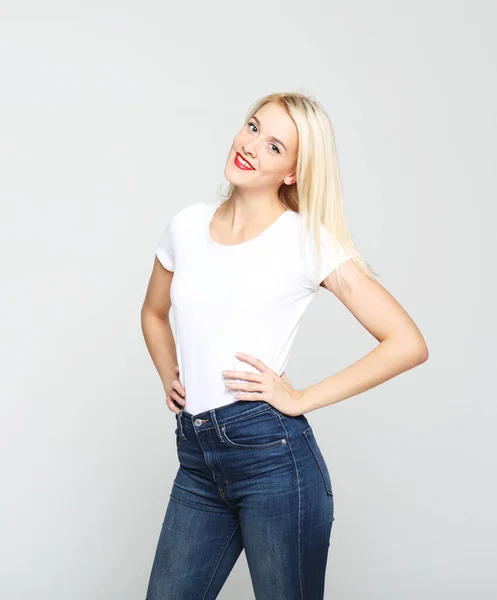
234	175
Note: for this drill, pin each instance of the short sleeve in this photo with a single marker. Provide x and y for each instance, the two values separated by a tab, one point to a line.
165	247
331	257
177	234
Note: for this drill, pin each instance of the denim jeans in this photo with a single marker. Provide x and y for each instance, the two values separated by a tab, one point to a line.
249	478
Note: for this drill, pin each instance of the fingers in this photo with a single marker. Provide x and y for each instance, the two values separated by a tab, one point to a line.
179	399
254	396
177	394
243	386
170	401
177	386
172	407
248	375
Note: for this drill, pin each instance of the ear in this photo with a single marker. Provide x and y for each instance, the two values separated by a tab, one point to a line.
290	179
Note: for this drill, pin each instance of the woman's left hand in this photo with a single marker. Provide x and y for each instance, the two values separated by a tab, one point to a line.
267	386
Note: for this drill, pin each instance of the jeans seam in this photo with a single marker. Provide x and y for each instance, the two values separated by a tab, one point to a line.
216	454
213	510
326	479
219	560
299	545
247	416
267	446
180	427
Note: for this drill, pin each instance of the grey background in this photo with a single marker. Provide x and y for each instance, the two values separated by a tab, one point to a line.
114	115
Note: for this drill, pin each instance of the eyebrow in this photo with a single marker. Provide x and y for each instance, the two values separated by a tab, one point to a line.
273	138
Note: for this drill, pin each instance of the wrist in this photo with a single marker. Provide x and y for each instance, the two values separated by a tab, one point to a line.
305	400
302	401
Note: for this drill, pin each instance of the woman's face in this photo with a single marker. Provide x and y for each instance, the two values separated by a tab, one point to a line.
269	142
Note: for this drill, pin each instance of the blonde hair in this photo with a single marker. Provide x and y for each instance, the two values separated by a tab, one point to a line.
316	195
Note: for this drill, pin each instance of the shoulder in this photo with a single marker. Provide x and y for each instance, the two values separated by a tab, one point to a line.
186	216
185	213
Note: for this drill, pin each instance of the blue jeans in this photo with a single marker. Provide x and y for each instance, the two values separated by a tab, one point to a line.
249	478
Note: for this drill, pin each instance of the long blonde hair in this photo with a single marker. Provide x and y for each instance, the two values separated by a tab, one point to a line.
317	194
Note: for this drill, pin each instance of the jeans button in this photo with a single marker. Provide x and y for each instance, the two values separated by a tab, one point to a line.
198	422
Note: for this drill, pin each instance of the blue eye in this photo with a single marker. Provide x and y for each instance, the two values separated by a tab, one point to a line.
249	124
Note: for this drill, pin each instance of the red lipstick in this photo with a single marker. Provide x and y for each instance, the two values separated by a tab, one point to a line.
245	166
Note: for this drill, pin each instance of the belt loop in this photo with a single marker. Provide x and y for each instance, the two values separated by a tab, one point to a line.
180	423
216	424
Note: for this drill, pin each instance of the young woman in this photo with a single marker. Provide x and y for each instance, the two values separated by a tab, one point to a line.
246	268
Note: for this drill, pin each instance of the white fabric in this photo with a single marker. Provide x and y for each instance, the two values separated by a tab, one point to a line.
247	297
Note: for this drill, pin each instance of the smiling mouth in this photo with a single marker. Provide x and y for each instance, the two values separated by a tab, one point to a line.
243	164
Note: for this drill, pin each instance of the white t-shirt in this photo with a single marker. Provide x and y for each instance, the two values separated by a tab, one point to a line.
247	297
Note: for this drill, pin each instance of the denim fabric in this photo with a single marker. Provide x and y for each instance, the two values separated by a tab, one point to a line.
249	478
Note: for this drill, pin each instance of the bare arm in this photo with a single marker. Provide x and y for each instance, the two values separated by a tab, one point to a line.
401	346
158	334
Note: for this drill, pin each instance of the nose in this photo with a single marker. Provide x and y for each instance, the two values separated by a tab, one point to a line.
249	148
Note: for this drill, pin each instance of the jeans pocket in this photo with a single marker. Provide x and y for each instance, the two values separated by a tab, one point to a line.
313	444
259	431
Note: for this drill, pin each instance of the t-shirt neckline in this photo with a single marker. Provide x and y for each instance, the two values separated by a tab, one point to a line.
264	233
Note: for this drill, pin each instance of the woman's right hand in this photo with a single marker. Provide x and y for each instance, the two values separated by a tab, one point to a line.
175	392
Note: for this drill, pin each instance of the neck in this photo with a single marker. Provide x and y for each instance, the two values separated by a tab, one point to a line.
253	205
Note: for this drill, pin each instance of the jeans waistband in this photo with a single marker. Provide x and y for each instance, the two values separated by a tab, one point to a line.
216	417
